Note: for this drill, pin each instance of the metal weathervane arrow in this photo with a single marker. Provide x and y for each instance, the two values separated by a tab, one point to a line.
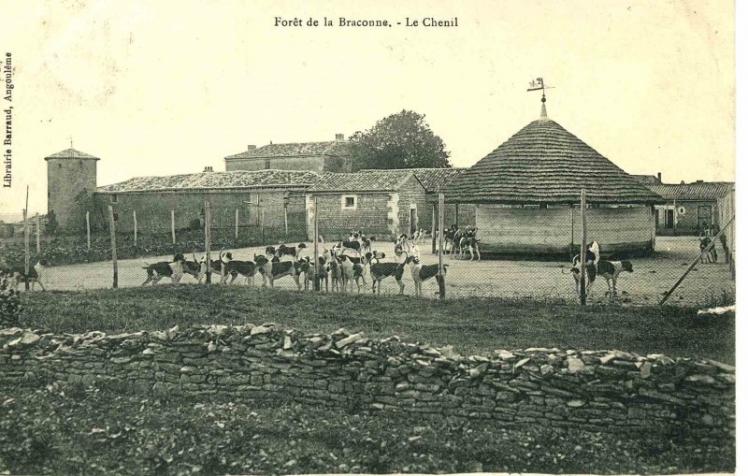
538	85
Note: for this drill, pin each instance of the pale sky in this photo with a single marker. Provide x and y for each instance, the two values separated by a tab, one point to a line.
160	87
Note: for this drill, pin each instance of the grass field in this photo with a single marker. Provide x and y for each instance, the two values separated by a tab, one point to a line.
472	325
72	429
708	284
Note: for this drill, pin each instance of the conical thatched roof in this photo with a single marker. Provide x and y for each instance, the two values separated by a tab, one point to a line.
544	163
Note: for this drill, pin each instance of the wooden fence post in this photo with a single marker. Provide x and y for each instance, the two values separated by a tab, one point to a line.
26	251
262	224
113	239
88	231
316	284
173	230
236	224
434	220
285	218
38	236
207	242
440	275
583	252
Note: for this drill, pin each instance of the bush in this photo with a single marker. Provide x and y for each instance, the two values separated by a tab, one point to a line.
51	227
10	302
64	249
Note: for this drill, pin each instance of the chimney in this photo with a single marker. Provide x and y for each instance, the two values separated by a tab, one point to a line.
208	168
659	177
339	137
251	147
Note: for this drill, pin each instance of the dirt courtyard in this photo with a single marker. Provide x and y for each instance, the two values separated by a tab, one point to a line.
539	280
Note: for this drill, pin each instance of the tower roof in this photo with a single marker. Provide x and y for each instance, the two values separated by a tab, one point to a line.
544	163
71	154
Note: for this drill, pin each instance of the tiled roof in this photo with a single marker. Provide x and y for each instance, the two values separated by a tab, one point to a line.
647	179
216	180
338	148
693	191
369	181
432	179
71	154
544	163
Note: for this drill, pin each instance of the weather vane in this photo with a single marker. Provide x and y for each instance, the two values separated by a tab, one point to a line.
538	85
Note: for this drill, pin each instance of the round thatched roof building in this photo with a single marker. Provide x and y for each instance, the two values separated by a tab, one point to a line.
527	195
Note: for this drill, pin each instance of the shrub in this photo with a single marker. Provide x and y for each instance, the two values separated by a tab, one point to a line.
52	226
10	302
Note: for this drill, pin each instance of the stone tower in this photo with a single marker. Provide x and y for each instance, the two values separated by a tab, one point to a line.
68	173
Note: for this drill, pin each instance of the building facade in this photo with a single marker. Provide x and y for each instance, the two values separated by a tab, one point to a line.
383	204
688	208
332	156
258	199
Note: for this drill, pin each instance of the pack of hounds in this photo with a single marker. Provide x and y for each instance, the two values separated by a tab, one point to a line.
340	267
458	242
347	264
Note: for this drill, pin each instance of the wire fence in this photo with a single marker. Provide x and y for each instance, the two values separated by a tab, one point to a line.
82	259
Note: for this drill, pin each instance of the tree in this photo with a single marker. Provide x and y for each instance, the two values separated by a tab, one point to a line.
399	141
84	202
52	226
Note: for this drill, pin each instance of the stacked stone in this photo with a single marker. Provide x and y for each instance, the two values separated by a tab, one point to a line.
595	390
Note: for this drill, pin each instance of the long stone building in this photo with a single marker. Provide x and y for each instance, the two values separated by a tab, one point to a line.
381	203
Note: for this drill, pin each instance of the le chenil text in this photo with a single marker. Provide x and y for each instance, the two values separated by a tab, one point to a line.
8	110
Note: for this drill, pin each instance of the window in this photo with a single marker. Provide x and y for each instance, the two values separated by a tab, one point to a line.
349	202
267	164
705	213
114	198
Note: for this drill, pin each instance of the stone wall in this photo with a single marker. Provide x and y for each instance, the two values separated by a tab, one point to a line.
597	390
410	194
336	223
256	209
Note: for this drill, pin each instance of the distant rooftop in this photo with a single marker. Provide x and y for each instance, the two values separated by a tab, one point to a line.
216	180
368	181
433	179
693	191
338	147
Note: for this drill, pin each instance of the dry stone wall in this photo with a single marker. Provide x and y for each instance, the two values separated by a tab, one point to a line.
596	390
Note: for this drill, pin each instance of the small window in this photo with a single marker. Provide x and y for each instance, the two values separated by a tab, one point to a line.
349	202
114	198
267	164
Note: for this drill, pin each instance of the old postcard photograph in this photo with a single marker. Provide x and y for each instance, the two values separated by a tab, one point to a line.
373	237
